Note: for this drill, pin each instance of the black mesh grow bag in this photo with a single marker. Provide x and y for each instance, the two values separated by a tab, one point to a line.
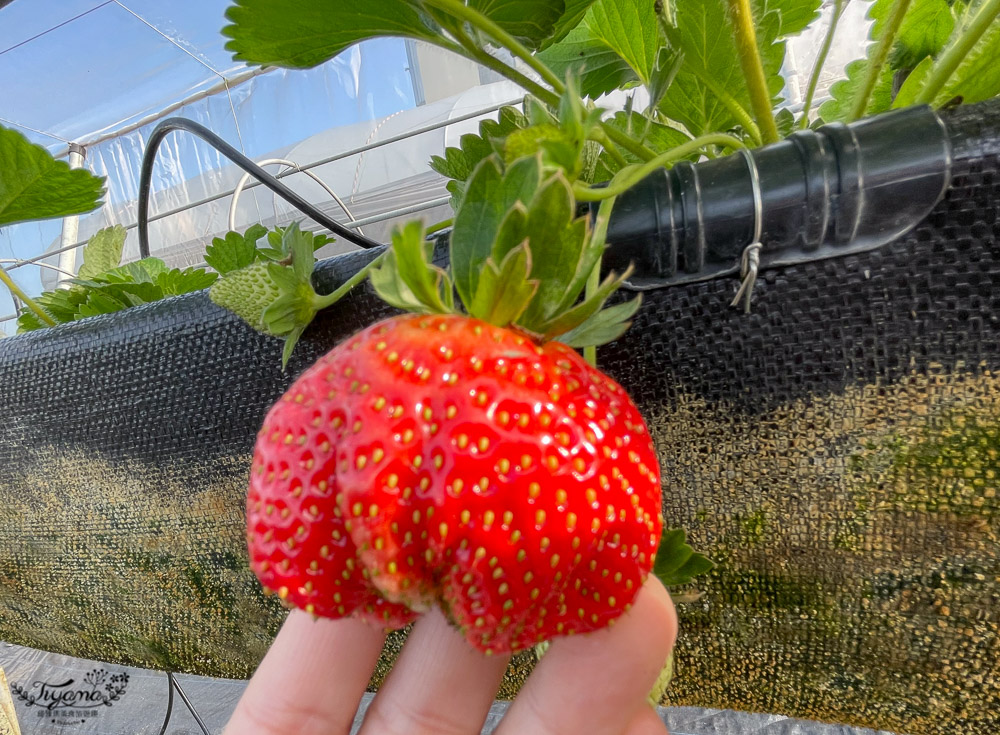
836	451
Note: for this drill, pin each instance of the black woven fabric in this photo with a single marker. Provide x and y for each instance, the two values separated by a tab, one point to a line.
836	451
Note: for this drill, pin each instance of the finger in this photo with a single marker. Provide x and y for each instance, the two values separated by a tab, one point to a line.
646	722
311	680
597	683
440	684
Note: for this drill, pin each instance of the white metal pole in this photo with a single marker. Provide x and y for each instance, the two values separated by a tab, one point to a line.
71	224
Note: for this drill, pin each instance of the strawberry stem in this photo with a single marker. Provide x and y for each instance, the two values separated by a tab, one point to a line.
628	178
28	301
322	302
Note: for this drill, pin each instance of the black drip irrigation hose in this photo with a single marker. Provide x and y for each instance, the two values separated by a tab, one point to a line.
178	123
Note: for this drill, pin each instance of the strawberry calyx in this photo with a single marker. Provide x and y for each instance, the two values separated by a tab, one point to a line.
520	258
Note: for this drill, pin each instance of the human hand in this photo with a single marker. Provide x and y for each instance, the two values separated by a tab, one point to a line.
312	679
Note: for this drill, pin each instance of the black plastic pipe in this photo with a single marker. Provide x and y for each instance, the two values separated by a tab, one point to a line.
178	123
823	193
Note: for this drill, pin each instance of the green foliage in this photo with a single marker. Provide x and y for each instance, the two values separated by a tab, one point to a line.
676	562
104	287
34	185
234	251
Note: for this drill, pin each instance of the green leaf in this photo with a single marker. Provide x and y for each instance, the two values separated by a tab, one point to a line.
842	93
794	16
574	12
304	33
925	31
531	21
710	80
459	163
605	326
977	78
34	185
176	282
907	94
676	562
233	252
630	29
586	53
102	252
146	270
504	291
489	195
100	302
657	137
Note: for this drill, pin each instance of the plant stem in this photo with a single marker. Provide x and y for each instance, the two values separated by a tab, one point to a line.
470	50
753	68
630	177
598	135
330	299
28	301
476	19
949	61
824	51
598	236
732	104
628	142
878	58
443	224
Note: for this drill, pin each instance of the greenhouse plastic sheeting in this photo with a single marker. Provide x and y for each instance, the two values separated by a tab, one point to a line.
60	695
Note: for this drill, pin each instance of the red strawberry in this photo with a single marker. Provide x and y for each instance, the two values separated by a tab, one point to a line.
511	483
467	461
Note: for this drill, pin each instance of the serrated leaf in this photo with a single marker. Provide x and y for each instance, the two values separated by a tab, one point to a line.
176	282
657	137
630	29
605	326
103	251
141	271
924	32
231	253
34	185
301	34
531	21
711	63
843	92
977	78
599	67
459	163
504	291
676	562
489	195
99	302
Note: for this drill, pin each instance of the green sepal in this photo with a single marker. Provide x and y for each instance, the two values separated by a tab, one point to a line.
489	196
676	562
604	326
408	280
513	231
504	291
574	317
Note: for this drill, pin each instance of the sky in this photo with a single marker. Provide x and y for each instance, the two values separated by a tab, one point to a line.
72	69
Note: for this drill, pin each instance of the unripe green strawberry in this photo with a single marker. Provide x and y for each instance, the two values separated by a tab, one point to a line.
441	460
247	292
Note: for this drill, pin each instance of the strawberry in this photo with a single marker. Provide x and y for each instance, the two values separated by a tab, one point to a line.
443	460
468	460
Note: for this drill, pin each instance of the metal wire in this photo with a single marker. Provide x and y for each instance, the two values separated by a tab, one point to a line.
180	124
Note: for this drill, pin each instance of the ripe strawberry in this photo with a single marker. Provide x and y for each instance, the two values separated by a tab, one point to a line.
442	460
468	460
